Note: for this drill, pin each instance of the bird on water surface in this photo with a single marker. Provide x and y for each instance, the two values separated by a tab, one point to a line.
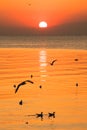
31	76
21	102
39	115
77	84
51	114
40	86
76	59
22	83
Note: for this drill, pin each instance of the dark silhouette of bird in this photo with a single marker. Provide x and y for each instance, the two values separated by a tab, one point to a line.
31	76
21	102
76	59
51	114
76	84
26	122
52	63
22	83
14	86
39	115
40	86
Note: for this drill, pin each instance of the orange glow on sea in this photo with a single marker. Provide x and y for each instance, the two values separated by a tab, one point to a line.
58	93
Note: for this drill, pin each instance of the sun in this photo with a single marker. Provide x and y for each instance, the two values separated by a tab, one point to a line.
43	24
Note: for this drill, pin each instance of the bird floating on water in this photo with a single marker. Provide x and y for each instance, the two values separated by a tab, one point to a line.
76	59
31	76
14	86
39	115
22	83
77	84
40	86
26	122
51	114
21	102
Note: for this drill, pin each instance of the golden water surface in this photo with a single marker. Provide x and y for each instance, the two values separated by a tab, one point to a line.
58	94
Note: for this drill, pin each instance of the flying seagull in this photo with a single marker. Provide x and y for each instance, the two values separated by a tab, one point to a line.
52	63
22	83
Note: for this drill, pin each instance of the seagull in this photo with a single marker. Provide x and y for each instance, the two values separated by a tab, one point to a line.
21	102
76	59
14	86
40	86
76	84
26	122
51	114
22	83
52	63
31	76
39	115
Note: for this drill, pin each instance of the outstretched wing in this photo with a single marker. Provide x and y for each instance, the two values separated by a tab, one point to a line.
53	62
19	86
23	83
29	81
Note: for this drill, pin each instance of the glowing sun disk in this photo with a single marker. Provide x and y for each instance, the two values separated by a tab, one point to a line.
43	24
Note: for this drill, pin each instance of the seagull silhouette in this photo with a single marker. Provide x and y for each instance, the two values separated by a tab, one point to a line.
51	114
31	76
14	86
21	102
52	63
39	115
76	59
26	122
77	84
40	86
22	83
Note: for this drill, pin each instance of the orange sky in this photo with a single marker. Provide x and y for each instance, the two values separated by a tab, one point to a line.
54	12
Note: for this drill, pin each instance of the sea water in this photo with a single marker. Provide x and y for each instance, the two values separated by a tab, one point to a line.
64	42
21	57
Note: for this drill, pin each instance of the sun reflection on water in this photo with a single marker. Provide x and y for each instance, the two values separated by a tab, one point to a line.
43	64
